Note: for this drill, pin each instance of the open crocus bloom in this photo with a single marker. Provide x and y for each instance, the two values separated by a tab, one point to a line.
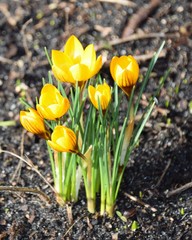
75	64
100	95
125	72
52	104
34	123
63	139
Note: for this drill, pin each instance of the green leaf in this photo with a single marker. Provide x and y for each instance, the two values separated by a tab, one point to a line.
123	218
7	123
134	226
147	76
48	57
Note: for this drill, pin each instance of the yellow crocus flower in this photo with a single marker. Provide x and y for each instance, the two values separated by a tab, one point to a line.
52	104
125	72
100	94
34	123
63	139
75	64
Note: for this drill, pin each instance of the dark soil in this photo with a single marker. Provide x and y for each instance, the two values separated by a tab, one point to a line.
163	160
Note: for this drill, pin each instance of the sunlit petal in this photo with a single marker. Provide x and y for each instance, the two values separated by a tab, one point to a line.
101	94
63	139
97	66
52	104
63	75
73	48
125	72
91	92
75	64
55	146
80	72
33	123
89	57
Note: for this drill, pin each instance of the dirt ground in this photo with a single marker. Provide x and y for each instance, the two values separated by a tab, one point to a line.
162	161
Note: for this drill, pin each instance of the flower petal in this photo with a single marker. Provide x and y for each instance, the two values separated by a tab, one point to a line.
52	104
73	48
104	102
124	61
80	72
64	139
97	66
60	58
125	71
55	146
89	57
33	122
63	75
91	92
113	64
43	113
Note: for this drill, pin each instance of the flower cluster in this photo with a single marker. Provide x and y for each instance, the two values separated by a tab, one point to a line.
76	65
83	140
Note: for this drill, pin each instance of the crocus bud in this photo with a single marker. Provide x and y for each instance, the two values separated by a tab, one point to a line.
52	104
63	139
101	94
34	123
125	72
75	64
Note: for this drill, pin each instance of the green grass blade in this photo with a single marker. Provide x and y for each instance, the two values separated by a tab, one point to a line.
145	81
48	57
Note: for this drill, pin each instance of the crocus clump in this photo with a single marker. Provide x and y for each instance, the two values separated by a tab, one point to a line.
86	138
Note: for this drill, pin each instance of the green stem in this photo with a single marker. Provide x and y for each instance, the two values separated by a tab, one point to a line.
128	134
90	193
103	186
69	161
60	177
110	209
91	205
52	162
73	179
103	201
103	189
133	143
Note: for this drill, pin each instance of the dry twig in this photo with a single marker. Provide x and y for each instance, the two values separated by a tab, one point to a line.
7	61
69	213
69	229
178	190
25	190
135	199
25	45
30	164
164	172
122	2
149	55
133	37
4	10
19	166
139	17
